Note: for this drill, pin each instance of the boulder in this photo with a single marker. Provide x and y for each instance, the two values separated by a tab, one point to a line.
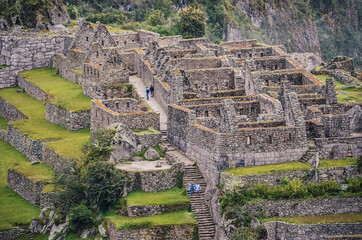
35	226
308	60
152	154
124	143
102	231
58	14
254	224
88	233
61	228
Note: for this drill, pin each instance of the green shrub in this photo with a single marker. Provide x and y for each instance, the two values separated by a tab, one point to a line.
192	23
296	189
103	184
80	218
105	18
73	11
262	190
359	163
245	234
355	185
156	18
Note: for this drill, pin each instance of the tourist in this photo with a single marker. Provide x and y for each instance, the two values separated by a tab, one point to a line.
128	8
197	189
152	90
191	188
147	93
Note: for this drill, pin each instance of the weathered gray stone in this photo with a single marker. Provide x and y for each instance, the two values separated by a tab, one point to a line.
152	154
88	233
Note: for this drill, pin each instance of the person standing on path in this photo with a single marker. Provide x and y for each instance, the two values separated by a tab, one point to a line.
191	188
147	93
197	189
152	90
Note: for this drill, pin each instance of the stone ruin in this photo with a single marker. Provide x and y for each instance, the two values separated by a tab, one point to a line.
228	105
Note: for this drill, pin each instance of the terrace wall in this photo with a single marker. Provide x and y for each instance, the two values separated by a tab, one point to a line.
9	112
32	90
339	147
309	207
287	231
149	210
27	188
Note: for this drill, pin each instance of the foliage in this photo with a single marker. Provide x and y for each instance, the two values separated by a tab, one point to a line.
68	189
72	11
80	218
156	18
105	18
245	233
3	123
192	23
103	184
359	163
99	147
355	185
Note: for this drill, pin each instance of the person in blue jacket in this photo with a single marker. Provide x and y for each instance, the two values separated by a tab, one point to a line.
197	189
147	93
191	188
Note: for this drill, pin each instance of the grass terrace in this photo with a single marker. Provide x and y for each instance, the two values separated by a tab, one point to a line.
168	197
330	163
268	169
64	93
36	127
3	123
324	219
355	94
173	218
14	210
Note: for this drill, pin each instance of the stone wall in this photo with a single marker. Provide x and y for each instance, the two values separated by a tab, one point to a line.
31	89
148	140
13	234
287	231
29	52
102	117
308	207
171	232
149	210
31	148
9	112
70	120
53	160
27	188
340	174
151	181
46	200
335	148
196	63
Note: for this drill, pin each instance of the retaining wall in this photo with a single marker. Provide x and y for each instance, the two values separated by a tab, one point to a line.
9	112
32	90
149	210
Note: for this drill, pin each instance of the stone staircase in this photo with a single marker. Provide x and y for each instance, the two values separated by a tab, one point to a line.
205	223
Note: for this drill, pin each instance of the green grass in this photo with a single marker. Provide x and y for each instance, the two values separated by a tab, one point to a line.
168	197
268	169
37	172
142	132
355	94
174	218
4	66
324	219
14	210
318	67
38	128
64	93
329	163
36	237
3	123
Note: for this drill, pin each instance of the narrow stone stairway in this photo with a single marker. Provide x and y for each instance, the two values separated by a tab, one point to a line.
205	222
206	225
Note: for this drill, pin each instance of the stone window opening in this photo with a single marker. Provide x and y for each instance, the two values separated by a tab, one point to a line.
127	103
216	86
218	112
97	53
270	139
98	74
248	140
117	42
261	54
276	67
252	110
241	111
290	137
195	87
205	87
250	55
86	38
239	55
102	43
206	113
117	105
125	42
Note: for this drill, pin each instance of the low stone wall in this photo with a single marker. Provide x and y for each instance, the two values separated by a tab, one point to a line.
171	232
340	174
149	210
148	140
46	200
13	234
288	231
151	181
31	148
308	207
53	160
9	112
31	89
339	147
8	77
28	189
70	120
272	179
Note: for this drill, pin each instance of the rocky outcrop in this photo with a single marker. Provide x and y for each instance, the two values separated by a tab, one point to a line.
307	60
58	14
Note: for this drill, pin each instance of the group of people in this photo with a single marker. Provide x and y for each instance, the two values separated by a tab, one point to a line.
194	188
148	91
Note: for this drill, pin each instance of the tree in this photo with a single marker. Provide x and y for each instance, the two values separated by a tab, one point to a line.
80	218
103	184
192	23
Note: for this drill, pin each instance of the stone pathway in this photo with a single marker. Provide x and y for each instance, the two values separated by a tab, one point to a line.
141	89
